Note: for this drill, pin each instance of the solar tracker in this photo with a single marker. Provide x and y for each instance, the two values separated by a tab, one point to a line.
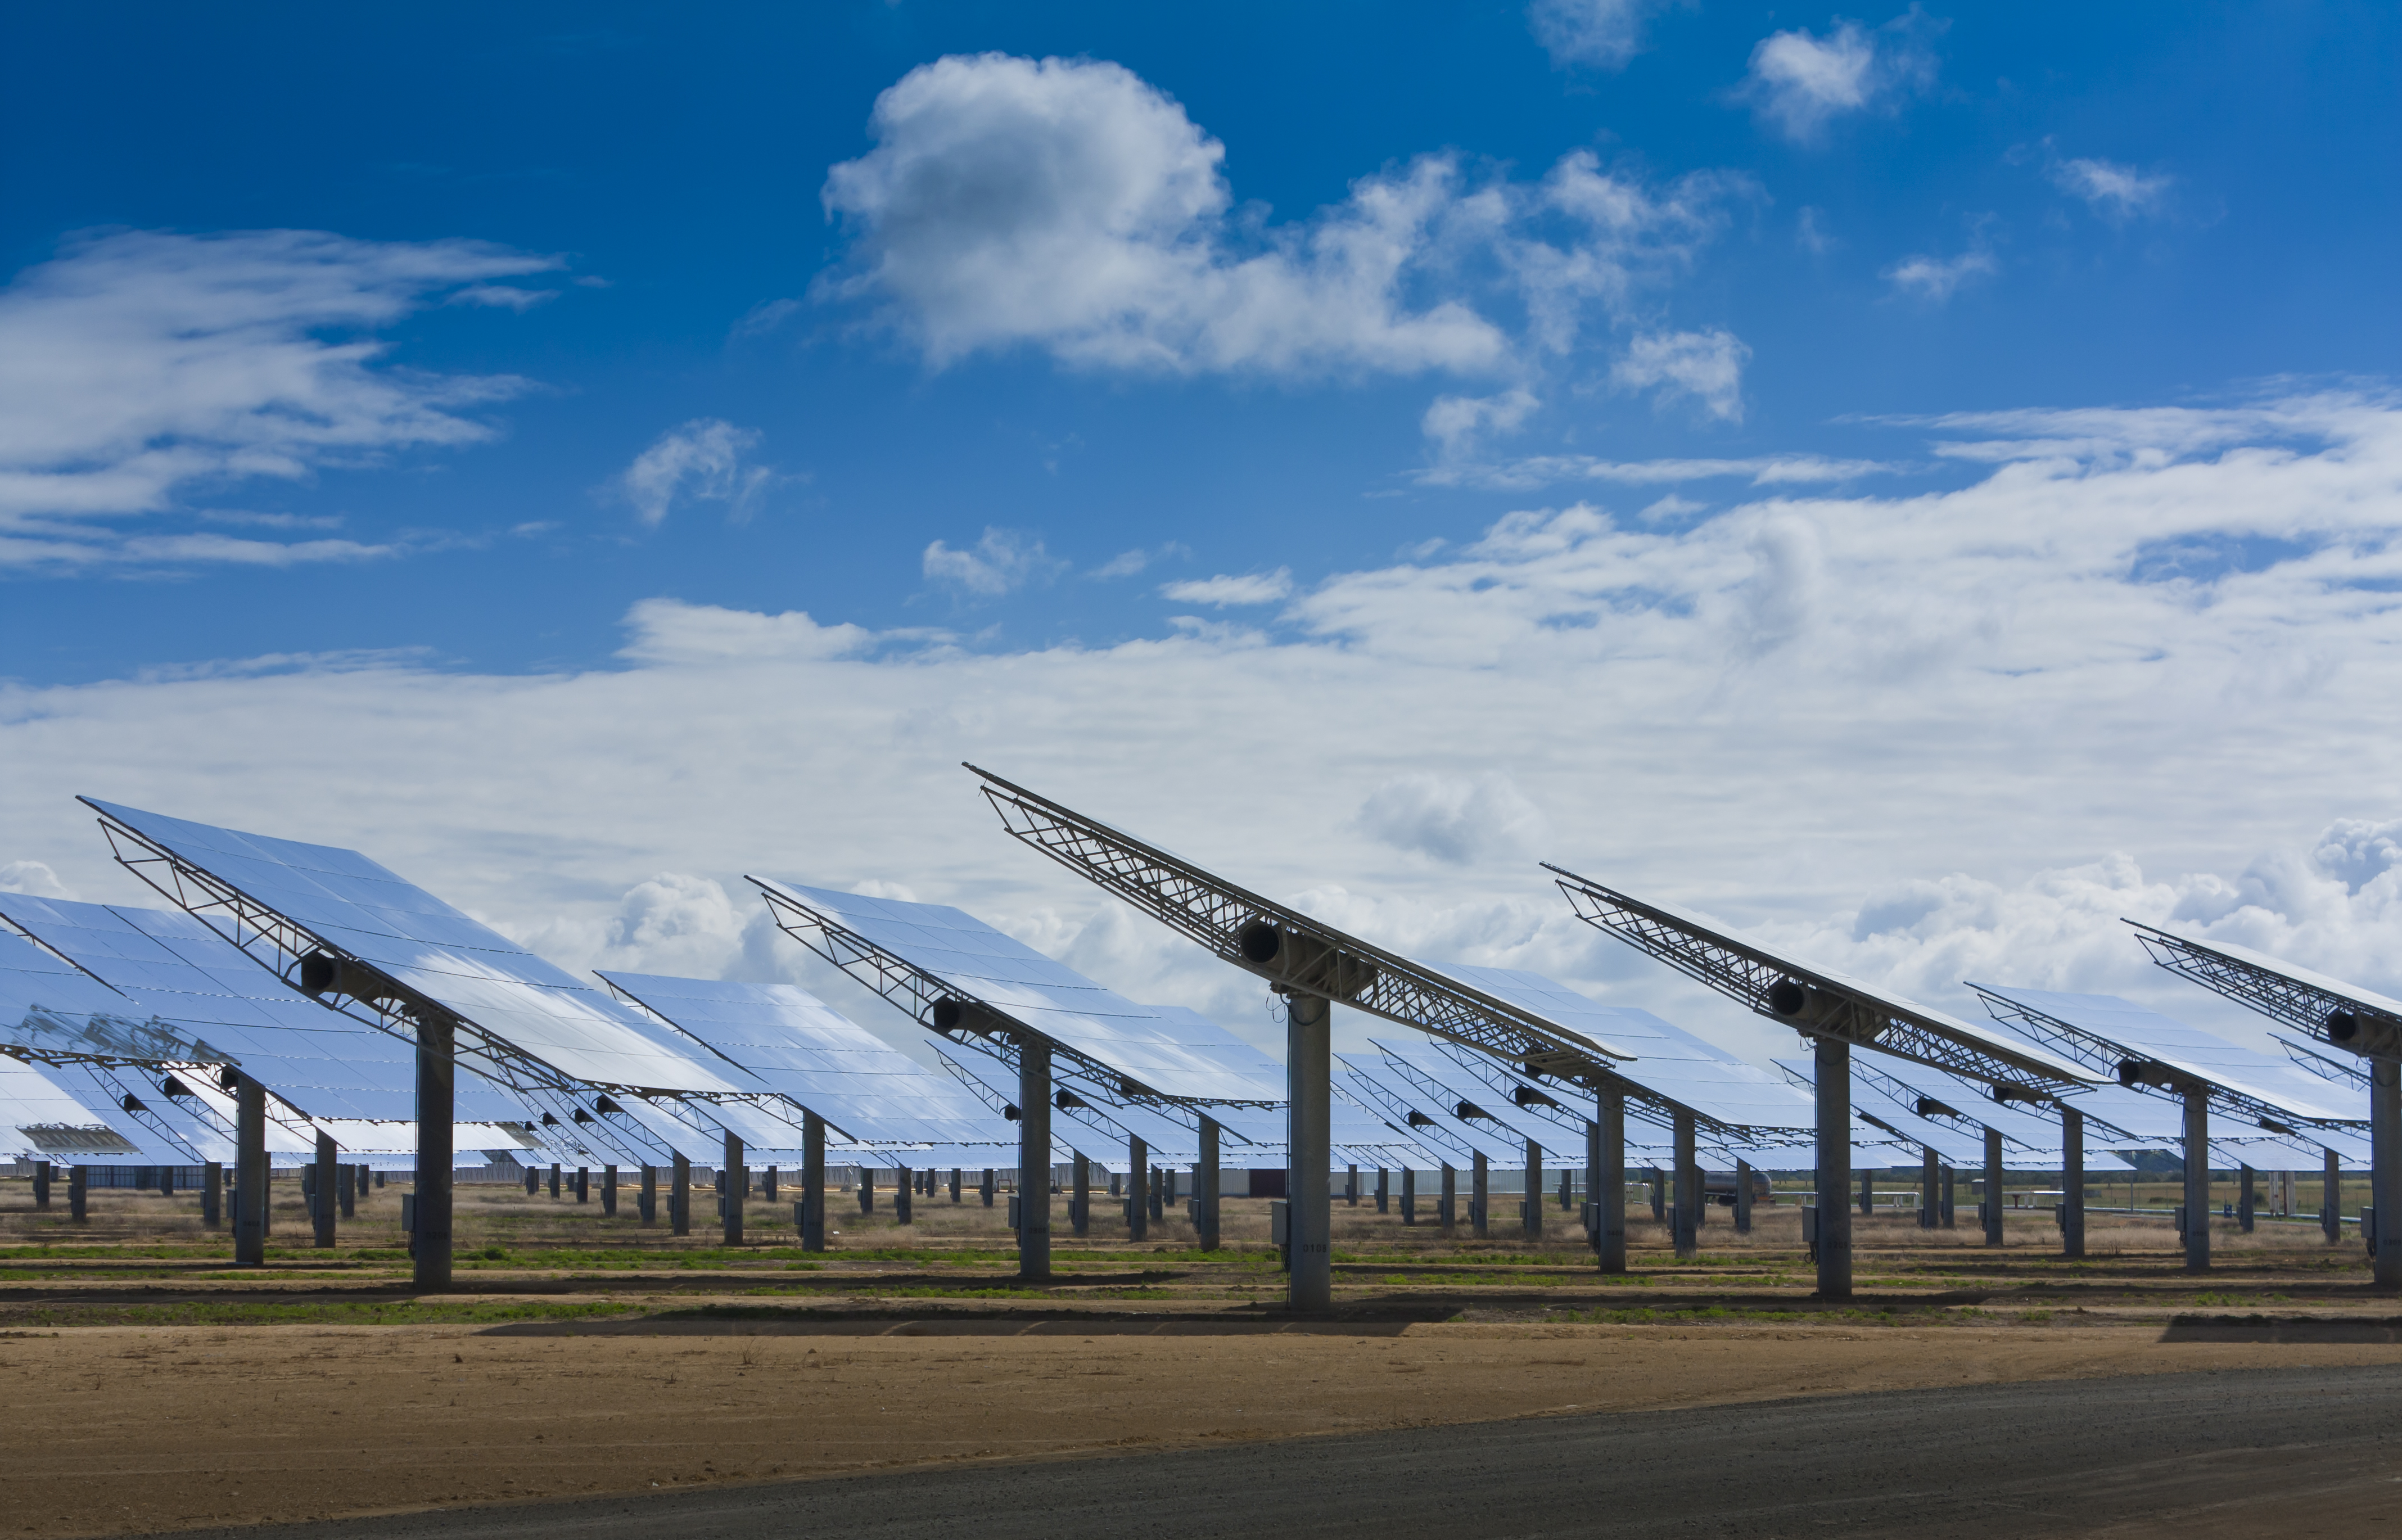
920	956
285	903
1672	1068
176	970
995	1083
1946	1119
39	1121
1399	1090
816	1057
1813	1001
2313	1056
1289	949
2327	1008
2105	1031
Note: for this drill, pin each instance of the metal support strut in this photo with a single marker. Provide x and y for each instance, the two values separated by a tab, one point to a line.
1034	1159
1309	1068
1204	1186
437	1099
2072	1182
1832	1073
1608	1178
2197	1178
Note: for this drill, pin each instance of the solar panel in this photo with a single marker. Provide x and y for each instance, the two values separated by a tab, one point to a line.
1397	1090
1675	1066
178	971
995	1084
40	1121
803	1049
1185	1057
2123	1029
1811	999
349	905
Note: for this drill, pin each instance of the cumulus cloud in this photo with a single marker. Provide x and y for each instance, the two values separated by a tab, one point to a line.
999	563
139	367
2116	192
1604	33
1249	588
1707	366
700	462
1799	83
34	878
1070	205
1949	731
1456	821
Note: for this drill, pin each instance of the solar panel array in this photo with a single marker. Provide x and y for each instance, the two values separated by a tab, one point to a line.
1184	1057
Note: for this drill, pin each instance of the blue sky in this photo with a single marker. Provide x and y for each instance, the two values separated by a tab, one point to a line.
673	166
1924	478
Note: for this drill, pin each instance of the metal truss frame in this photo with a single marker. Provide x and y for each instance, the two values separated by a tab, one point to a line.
1943	1113
1317	960
2096	1052
2325	1068
2279	996
1379	1099
1750	975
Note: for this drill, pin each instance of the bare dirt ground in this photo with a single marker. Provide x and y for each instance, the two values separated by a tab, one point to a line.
156	1388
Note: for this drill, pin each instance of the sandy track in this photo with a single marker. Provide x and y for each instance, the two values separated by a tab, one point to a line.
166	1427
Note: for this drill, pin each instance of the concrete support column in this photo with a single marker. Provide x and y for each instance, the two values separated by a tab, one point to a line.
1206	1184
212	1190
608	1192
42	1183
329	1177
2244	1200
2385	1168
1309	1068
349	1207
1992	1209
813	1183
1351	1186
2331	1200
1684	1231
250	1167
1743	1197
1034	1160
1930	1195
1608	1178
1080	1197
1384	1192
990	1184
78	1193
2072	1182
1159	1184
1656	1184
1867	1193
583	1184
733	1182
1138	1190
554	1181
437	1103
1409	1195
767	1185
534	1182
1533	1223
1832	1073
955	1184
1949	1179
679	1196
904	1194
2197	1178
1446	1206
1479	1196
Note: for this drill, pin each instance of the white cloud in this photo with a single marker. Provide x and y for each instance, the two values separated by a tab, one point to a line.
1706	366
1070	206
1249	588
700	462
1937	278
1924	735
2114	191
1604	33
1453	820
1129	563
139	367
1550	470
1458	424
34	878
1799	83
999	563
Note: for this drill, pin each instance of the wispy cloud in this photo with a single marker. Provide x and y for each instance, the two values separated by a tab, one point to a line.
1536	471
1705	366
700	461
138	366
1223	590
1603	33
2114	191
999	563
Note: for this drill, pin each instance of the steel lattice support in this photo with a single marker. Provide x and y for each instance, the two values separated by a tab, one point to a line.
1292	951
2316	1012
1813	1004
